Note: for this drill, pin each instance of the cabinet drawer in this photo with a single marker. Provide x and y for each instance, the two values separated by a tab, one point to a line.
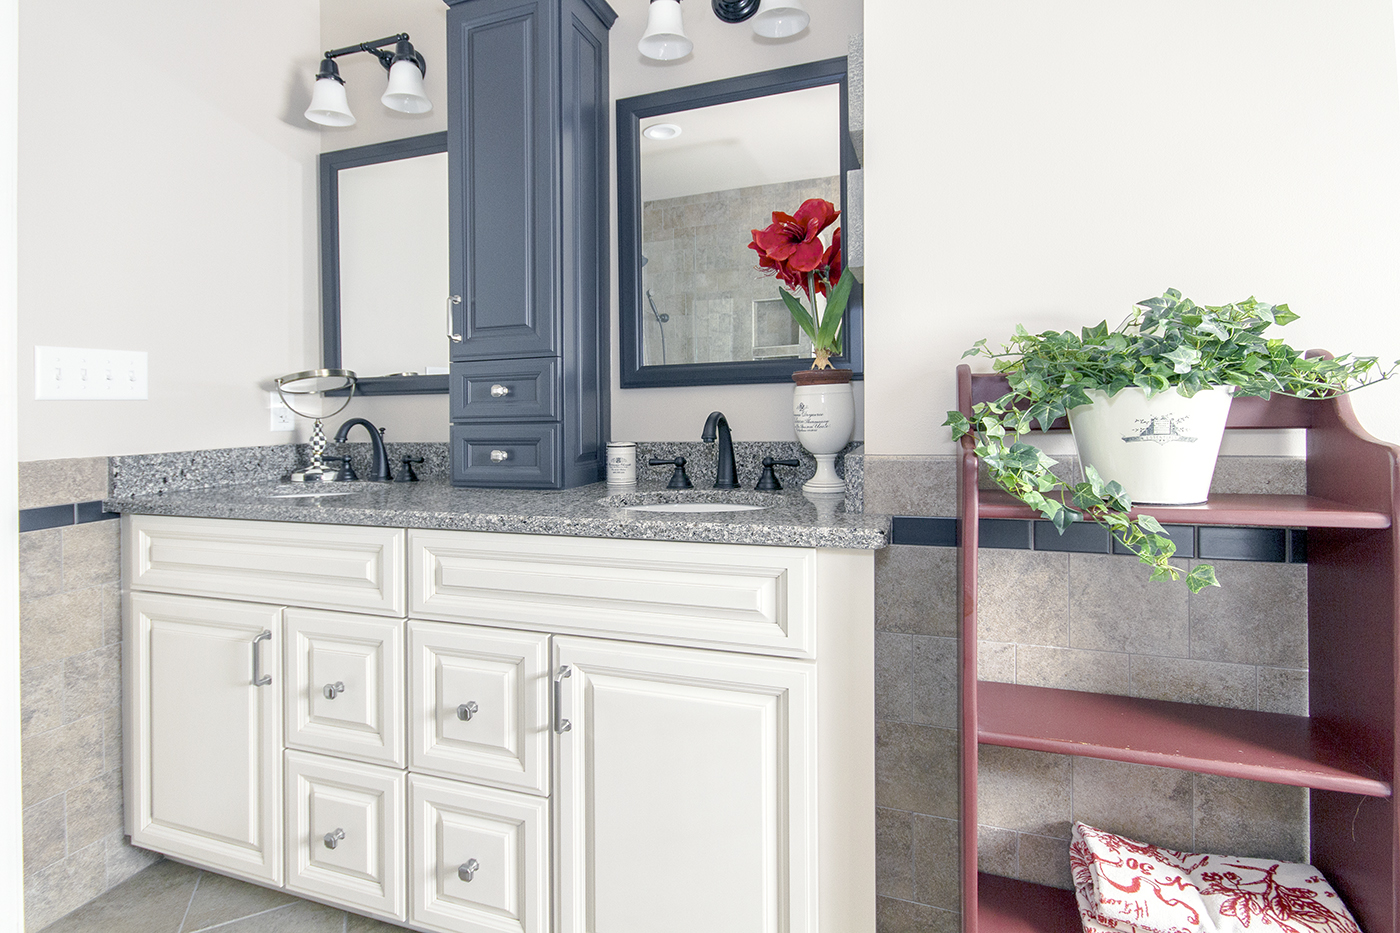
524	455
736	597
345	833
492	390
345	685
479	704
318	566
497	839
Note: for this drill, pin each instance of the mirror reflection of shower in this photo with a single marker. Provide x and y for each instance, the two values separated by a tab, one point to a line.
661	319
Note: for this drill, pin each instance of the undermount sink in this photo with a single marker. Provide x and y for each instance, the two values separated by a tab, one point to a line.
695	507
694	501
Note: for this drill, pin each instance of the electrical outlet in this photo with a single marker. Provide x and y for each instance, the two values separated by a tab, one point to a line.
282	419
78	373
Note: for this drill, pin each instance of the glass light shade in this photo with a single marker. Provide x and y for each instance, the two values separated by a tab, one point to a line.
405	91
328	104
665	37
778	19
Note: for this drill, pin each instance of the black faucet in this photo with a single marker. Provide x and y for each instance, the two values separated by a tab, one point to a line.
379	466
725	476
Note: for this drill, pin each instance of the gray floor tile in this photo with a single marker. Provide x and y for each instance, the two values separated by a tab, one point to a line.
152	902
297	917
219	899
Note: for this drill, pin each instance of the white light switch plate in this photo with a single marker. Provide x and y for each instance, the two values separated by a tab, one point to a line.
77	373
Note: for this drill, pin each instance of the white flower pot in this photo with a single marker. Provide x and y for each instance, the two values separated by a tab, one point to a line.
1162	449
824	417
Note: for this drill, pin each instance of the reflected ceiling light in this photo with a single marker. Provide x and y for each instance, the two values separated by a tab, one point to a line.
665	39
662	131
405	93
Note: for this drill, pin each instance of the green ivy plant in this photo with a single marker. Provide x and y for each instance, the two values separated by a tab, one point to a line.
1167	342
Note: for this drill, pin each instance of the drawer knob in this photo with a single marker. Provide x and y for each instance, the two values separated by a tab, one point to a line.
332	839
467	710
333	690
467	869
499	391
498	456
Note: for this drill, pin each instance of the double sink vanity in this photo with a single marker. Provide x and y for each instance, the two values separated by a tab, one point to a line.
468	710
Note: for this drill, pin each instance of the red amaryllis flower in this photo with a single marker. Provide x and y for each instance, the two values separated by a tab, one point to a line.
791	278
831	260
794	240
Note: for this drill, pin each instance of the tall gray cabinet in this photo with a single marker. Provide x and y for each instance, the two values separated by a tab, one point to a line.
528	156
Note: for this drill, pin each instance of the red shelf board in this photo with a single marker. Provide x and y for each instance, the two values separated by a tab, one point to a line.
1257	510
1258	746
1005	905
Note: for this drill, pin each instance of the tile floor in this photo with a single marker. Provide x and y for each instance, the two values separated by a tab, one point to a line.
173	898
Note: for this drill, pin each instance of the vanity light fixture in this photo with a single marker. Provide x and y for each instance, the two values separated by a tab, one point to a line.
405	93
665	38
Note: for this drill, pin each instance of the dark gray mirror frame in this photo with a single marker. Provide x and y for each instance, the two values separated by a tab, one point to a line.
630	113
331	164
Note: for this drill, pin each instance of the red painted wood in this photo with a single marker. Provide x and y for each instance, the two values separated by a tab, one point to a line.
967	662
1010	906
1269	747
1259	510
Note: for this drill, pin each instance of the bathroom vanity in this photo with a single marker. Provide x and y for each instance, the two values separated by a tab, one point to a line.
462	730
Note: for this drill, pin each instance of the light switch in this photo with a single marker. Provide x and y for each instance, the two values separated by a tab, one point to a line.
77	373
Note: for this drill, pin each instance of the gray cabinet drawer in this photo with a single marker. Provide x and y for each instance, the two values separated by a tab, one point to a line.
515	390
524	455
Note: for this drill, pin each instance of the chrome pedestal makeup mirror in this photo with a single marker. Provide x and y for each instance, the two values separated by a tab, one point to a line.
309	383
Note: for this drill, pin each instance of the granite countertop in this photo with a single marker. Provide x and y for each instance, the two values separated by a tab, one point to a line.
788	519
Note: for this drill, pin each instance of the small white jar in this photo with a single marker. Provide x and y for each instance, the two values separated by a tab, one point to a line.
622	464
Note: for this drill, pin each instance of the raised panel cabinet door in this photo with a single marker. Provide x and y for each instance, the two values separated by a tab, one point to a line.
479	704
203	732
503	170
479	858
687	790
344	689
346	833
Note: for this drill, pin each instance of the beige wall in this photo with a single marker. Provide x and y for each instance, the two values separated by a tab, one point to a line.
167	204
1052	163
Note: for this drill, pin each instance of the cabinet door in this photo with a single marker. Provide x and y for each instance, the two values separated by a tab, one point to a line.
479	704
203	739
344	689
502	174
345	833
686	790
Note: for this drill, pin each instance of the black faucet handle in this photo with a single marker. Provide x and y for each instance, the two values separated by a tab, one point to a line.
347	472
679	480
406	474
768	480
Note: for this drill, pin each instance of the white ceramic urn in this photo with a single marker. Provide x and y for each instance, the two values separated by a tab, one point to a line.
824	418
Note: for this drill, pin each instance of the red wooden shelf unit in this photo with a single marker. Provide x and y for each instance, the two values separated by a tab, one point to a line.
1345	749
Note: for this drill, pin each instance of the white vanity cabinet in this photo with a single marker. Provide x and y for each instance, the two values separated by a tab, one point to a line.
534	734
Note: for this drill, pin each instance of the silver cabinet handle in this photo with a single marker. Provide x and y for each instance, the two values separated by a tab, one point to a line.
333	839
451	324
499	456
499	391
468	868
332	690
467	710
561	725
259	678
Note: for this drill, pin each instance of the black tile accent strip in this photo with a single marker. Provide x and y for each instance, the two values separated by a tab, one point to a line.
58	516
1208	542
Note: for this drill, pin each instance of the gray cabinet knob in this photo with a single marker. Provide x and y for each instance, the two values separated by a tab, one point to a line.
467	710
499	391
498	456
332	690
332	839
467	869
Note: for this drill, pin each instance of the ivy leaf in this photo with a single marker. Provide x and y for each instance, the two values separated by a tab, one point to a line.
1200	577
1183	358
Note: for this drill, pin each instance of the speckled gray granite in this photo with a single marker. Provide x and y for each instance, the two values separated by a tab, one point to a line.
788	519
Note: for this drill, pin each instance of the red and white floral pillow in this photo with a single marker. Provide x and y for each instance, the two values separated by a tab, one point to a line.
1124	886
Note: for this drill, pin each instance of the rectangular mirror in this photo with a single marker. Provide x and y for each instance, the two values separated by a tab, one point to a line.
698	169
384	287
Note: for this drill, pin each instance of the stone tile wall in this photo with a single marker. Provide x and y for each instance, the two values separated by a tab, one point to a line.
70	690
1074	621
702	273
